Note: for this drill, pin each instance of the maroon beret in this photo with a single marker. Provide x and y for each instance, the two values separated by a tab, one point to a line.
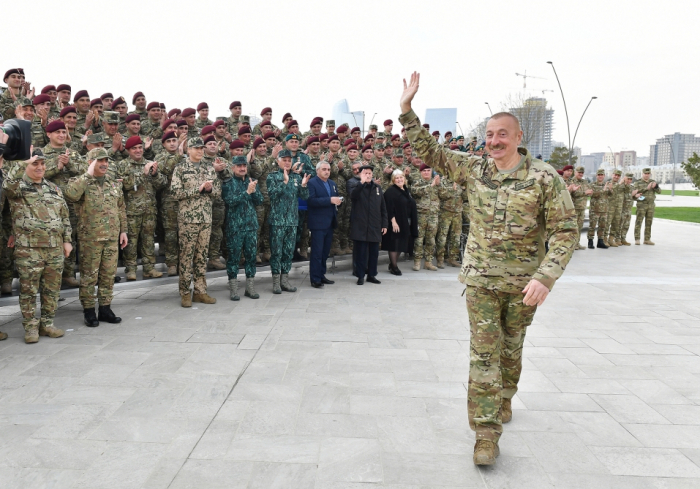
269	135
406	145
368	137
567	167
423	167
366	147
265	111
454	147
168	135
388	122
80	94
137	95
395	137
342	129
133	141
291	123
355	129
40	99
48	88
258	142
67	110
188	112
132	117
560	172
265	123
313	139
202	105
448	132
351	147
286	116
166	123
207	129
219	123
174	112
12	71
436	133
95	101
181	122
348	142
63	87
323	137
54	126
315	121
244	130
117	102
334	137
209	139
153	105
236	143
427	126
162	106
234	104
106	95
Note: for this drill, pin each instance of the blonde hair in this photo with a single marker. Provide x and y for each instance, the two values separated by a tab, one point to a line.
395	174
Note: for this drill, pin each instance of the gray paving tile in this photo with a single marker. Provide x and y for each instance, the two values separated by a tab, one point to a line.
666	436
213	474
424	469
648	462
563	452
350	460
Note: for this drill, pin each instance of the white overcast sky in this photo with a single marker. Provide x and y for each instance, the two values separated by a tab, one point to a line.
640	58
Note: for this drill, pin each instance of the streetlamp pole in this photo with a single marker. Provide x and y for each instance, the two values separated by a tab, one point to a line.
460	127
489	107
673	173
613	157
573	143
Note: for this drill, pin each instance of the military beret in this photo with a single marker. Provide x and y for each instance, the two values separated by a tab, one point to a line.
244	130
48	88
162	106
366	167
240	160
454	147
334	137
133	141
202	106
355	129
348	142
54	126
63	88
258	142
39	154
395	137
427	126
181	122
646	170
617	172
106	95
372	126
352	147
219	123
13	71
448	132
292	123
560	172
600	172
453	140
137	95
80	94
153	105
406	145
294	137
322	137
95	101
96	138
132	117
629	175
265	124
67	110
366	147
269	135
285	153
580	169
207	129
398	153
315	121
234	104
342	129
379	146
424	167
567	167
117	102
209	139
195	142
97	154
330	122
188	112
436	133
461	137
173	113
235	144
286	116
265	111
168	135
244	118
388	122
312	140
166	123
41	99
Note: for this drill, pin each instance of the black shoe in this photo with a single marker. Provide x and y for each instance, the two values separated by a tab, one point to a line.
373	280
105	314
601	244
317	285
395	271
360	281
324	280
90	318
117	279
590	244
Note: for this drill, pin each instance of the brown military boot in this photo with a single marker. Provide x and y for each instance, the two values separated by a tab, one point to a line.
648	242
624	242
428	265
579	247
152	273
485	452
203	298
416	265
636	241
70	282
172	271
258	259
186	300
303	252
612	242
266	256
506	411
454	263
130	276
336	252
6	287
347	251
50	331
3	336
31	335
216	265
440	263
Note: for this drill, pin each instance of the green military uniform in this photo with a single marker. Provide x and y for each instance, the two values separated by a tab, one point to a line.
258	169
615	212
597	216
169	208
627	203
580	199
39	137
232	124
428	206
645	207
512	214
200	123
449	222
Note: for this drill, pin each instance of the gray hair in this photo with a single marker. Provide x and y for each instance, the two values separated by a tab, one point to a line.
322	162
397	173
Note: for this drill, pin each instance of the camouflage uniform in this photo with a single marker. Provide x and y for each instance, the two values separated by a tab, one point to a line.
199	123
101	219
302	237
597	217
195	216
241	224
645	208
580	200
232	124
258	169
218	216
41	225
341	243
449	220
140	196
151	129
512	214
615	212
428	206
169	207
8	104
39	137
627	203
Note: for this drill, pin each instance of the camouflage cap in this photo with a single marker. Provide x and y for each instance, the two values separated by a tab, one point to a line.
580	169
380	135
195	142
629	175
97	154
330	122
39	154
600	172
646	170
244	118
285	153
110	117
240	160
96	138
24	102
398	152
372	126
617	172
379	146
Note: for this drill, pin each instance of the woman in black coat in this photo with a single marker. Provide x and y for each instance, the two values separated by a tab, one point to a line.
368	222
403	220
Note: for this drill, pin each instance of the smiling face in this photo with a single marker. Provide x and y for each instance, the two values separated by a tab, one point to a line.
57	138
136	152
140	103
82	105
101	167
35	170
503	136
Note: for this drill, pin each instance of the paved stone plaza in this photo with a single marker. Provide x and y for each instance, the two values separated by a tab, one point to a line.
362	387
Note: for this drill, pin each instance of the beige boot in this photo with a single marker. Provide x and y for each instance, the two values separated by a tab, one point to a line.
454	263
266	256
416	265
485	452
216	265
186	300
152	273
636	241
648	242
203	298
612	243
428	265
130	276
3	336
276	288
285	285
624	242
172	271
233	289
250	288
50	331
441	263
70	282
6	287
31	335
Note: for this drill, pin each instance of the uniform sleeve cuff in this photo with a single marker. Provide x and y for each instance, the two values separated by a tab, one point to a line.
408	118
545	280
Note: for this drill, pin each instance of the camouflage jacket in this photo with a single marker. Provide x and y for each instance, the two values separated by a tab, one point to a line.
232	124
101	210
80	126
166	165
140	189
188	177
258	169
450	197
306	166
600	197
627	200
579	196
512	214
193	132
76	165
649	195
240	205
257	130
284	205
39	137
199	123
617	195
151	129
7	105
39	213
426	196
341	176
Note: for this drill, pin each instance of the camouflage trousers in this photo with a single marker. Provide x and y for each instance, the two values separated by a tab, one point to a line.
341	233
498	322
39	269
263	212
140	231
7	262
194	244
218	216
448	223
597	220
614	220
98	265
238	242
580	218
424	245
69	262
644	213
282	241
625	224
169	211
302	236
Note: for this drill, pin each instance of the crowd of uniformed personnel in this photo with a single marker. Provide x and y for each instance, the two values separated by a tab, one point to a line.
104	180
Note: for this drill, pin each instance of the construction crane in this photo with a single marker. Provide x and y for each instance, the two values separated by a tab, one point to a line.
526	76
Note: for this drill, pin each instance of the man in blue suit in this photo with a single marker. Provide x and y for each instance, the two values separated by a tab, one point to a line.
322	219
